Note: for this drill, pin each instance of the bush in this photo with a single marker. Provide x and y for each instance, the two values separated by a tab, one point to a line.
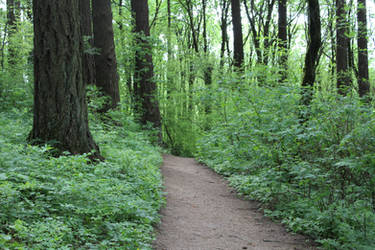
316	177
68	203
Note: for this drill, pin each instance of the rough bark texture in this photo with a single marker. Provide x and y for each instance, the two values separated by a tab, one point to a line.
314	44
363	77
342	50
60	110
238	56
86	29
282	38
105	63
144	87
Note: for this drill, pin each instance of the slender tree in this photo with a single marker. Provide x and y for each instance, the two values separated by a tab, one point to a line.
282	38
224	6
314	44
342	48
207	66
60	109
105	61
363	77
260	20
144	86
238	56
13	18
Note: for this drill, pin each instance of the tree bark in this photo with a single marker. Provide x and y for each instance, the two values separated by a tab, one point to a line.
363	75
86	29
105	62
223	26
145	86
60	109
207	66
342	51
238	56
314	44
282	39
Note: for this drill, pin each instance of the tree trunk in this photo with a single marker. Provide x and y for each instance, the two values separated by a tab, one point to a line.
207	67
13	18
267	26
314	44
255	34
223	26
282	39
363	76
145	86
60	109
238	56
86	29
342	51
105	62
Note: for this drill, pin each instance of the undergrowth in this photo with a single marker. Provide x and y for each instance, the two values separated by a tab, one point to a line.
317	177
68	203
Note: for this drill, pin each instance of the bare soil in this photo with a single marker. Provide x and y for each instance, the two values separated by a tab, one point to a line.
202	212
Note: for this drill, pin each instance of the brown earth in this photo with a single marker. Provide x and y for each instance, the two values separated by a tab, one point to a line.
203	213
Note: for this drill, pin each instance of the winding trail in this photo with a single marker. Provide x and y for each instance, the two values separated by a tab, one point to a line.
203	213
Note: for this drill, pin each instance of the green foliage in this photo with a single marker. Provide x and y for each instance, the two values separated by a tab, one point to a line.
16	79
68	203
317	178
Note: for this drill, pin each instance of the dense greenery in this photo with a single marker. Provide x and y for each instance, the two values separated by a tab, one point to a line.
316	177
68	203
311	167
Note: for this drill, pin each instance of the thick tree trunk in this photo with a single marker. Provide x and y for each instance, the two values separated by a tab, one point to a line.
145	86
60	110
363	76
238	56
105	63
282	39
86	29
342	51
314	44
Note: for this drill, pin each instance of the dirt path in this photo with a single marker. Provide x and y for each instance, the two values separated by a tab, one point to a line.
202	213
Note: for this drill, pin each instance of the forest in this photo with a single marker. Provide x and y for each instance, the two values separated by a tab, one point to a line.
274	95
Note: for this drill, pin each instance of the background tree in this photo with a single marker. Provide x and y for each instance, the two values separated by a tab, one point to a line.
105	60
313	46
144	86
342	48
86	28
363	75
282	38
259	15
238	54
60	109
13	19
224	9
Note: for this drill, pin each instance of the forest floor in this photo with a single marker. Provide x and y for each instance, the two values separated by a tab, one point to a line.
202	212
